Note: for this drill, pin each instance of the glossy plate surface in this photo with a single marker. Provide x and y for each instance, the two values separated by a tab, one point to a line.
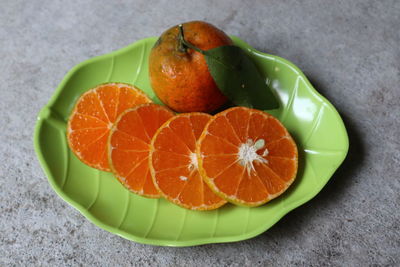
310	118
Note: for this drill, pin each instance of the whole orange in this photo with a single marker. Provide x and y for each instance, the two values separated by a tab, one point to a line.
179	75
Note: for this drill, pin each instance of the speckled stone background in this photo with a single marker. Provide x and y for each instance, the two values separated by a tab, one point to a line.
350	50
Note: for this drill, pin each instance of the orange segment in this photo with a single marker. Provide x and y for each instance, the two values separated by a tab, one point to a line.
92	117
129	144
246	156
240	123
86	122
272	182
173	163
282	147
251	189
229	178
109	100
228	136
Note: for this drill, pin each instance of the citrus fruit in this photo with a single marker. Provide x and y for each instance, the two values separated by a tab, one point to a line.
173	163
180	76
129	144
247	156
92	117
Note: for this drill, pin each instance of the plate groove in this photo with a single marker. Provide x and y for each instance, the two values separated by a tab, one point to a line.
153	218
125	211
314	126
216	220
110	72
139	69
182	225
290	101
96	195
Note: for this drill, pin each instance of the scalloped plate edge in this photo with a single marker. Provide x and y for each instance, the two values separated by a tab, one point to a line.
46	110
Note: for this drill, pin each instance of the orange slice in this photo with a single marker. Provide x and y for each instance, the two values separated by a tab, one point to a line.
247	156
92	117
173	163
129	145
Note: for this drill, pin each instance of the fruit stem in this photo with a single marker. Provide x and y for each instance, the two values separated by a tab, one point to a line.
183	44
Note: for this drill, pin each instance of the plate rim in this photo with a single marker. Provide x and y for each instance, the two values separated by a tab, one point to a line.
47	109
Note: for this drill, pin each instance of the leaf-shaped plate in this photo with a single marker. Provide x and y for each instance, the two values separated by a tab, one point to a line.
310	118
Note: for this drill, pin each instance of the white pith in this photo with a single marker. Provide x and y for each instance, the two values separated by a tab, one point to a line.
193	162
183	178
193	166
247	154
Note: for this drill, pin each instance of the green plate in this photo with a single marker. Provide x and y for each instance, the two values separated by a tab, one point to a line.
310	118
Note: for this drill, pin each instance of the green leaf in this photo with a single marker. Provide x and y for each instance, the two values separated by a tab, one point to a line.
238	78
235	75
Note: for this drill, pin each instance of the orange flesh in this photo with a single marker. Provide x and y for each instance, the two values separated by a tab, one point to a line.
92	117
247	156
173	163
129	146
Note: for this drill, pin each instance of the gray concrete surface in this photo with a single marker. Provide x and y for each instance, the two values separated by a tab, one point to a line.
350	50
